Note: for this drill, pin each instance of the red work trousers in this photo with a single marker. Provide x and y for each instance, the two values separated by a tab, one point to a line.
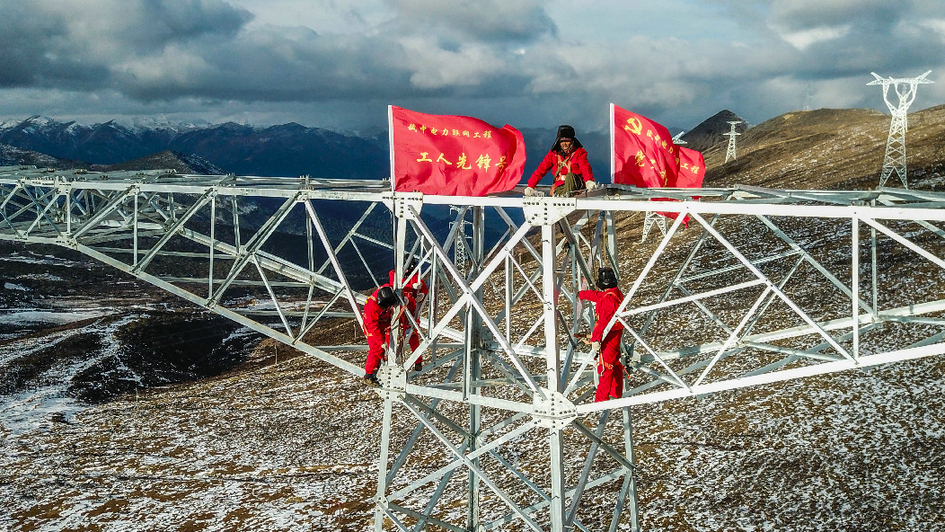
609	369
376	354
414	338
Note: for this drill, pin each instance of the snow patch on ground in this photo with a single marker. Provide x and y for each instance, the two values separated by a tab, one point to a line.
33	317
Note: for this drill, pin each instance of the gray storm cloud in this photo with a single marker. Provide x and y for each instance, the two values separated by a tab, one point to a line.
462	55
50	43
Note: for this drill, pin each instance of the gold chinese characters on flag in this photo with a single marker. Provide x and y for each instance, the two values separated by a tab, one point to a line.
453	155
646	156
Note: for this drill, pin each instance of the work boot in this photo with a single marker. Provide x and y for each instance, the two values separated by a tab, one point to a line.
417	366
370	379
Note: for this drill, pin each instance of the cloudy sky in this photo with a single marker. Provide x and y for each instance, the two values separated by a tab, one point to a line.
528	63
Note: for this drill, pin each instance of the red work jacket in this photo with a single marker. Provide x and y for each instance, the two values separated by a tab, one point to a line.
606	304
376	321
560	166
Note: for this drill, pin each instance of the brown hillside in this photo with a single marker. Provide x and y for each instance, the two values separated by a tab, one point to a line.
827	149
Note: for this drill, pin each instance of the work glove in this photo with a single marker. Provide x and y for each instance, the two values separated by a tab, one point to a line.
530	191
591	185
417	286
595	347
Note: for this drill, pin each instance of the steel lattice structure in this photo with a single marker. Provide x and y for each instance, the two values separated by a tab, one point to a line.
752	291
730	152
894	162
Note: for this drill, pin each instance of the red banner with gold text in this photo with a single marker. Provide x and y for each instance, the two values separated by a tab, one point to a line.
453	155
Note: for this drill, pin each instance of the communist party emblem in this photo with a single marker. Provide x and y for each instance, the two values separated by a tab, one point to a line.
634	125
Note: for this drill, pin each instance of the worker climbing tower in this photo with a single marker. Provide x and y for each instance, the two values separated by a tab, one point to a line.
895	160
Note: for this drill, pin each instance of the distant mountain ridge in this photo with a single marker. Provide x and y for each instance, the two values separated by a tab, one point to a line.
13	156
181	163
711	132
283	150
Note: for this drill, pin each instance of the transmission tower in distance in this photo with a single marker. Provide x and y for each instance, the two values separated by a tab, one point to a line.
895	160
730	154
459	253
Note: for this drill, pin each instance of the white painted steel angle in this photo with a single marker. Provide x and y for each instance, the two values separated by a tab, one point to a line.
784	297
485	478
554	411
904	241
404	205
470	298
546	211
482	449
393	379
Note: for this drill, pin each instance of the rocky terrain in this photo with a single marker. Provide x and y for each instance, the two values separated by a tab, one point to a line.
208	428
839	149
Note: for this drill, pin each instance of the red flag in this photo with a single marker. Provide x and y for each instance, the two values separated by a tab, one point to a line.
645	156
691	168
453	155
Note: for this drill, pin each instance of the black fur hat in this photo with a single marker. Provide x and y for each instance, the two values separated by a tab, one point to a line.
566	132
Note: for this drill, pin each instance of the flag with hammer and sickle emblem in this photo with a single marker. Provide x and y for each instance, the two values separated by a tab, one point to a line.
645	155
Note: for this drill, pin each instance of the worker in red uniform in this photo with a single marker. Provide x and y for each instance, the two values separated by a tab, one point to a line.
609	369
567	161
378	311
414	292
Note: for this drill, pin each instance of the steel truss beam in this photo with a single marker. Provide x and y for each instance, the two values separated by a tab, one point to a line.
764	286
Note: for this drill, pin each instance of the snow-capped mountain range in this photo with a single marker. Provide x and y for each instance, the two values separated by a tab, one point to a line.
282	150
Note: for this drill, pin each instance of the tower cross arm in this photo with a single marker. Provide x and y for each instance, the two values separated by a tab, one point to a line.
895	81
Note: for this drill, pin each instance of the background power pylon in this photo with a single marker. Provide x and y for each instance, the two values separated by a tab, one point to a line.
460	252
730	154
895	159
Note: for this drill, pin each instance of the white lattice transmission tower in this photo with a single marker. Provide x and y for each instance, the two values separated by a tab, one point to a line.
499	430
461	241
730	154
895	160
653	218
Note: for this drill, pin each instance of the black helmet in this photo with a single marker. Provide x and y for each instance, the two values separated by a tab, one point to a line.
606	278
386	297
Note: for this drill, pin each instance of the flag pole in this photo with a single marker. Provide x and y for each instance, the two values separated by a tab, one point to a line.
390	143
613	162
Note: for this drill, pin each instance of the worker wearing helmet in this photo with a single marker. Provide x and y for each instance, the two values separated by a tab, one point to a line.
607	300
378	311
